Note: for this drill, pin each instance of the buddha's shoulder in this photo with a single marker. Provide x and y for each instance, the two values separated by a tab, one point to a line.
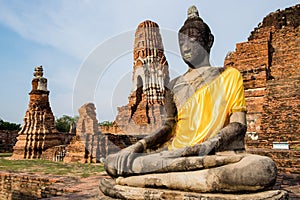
173	82
232	70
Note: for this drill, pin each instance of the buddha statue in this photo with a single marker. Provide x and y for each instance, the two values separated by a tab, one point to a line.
200	148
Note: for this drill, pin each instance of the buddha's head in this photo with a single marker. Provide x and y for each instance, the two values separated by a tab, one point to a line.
195	39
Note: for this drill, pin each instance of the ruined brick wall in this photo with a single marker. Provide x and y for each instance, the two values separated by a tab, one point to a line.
114	129
21	186
7	140
85	146
54	152
97	146
90	144
270	65
84	149
112	143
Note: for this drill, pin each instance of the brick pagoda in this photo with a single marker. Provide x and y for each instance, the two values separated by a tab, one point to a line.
38	132
145	112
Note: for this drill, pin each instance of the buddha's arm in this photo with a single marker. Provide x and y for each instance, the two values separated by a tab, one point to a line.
239	117
164	134
119	164
232	136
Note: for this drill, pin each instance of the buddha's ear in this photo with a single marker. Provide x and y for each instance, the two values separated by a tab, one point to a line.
210	40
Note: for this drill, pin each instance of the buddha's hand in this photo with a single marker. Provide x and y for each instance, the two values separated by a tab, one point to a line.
119	164
201	149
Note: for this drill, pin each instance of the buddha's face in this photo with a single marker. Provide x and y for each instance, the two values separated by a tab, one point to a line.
192	47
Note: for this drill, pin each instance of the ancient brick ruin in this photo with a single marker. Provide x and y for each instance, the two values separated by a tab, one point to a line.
84	147
23	186
8	140
144	112
270	65
90	144
38	132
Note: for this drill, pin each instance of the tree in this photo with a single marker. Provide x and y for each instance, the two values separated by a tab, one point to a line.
9	126
106	123
63	123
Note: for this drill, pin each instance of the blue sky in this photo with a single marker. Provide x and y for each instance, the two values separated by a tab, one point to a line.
63	35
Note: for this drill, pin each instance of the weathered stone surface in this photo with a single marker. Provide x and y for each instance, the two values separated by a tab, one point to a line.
38	132
270	65
156	165
287	161
251	173
144	112
135	193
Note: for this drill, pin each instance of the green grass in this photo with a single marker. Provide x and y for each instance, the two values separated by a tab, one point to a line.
5	155
50	167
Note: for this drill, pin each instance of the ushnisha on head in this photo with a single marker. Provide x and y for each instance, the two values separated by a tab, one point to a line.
195	39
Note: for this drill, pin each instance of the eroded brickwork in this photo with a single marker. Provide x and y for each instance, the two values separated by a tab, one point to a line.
22	186
85	146
7	140
114	129
270	65
38	132
144	113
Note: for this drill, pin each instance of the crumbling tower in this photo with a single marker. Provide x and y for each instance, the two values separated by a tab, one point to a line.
38	131
144	111
85	146
270	65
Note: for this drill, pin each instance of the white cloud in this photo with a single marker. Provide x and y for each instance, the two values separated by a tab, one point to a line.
74	28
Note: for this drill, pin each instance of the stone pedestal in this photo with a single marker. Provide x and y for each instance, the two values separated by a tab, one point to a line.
135	193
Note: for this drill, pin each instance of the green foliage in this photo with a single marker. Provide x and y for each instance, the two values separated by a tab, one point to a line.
9	126
63	123
105	123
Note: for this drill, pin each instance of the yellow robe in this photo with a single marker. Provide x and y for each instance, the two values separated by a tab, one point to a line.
208	110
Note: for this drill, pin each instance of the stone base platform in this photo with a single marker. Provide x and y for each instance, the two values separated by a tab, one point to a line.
135	193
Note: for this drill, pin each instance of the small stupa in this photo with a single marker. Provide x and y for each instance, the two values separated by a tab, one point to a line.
38	132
